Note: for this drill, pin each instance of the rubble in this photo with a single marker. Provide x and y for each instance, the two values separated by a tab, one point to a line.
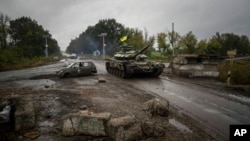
153	129
157	107
101	80
32	135
24	115
5	114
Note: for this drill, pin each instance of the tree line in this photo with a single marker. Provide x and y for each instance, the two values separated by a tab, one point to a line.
23	39
90	40
168	43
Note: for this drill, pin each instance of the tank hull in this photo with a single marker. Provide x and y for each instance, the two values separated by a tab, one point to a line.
127	69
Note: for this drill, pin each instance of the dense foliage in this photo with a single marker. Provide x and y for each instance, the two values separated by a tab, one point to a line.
219	44
90	40
168	44
23	39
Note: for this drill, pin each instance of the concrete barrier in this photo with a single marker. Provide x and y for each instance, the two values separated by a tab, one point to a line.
24	115
124	129
85	123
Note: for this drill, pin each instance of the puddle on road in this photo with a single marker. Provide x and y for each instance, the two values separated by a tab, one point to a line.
180	126
37	84
86	81
211	111
240	98
47	138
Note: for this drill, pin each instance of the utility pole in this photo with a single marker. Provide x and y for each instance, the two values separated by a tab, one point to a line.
46	45
103	44
172	42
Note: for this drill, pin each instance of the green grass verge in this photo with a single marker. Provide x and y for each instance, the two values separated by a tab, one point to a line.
240	72
25	63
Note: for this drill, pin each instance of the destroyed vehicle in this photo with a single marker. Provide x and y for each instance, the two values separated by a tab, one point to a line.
77	69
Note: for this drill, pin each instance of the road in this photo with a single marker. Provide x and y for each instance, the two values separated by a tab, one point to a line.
214	111
210	107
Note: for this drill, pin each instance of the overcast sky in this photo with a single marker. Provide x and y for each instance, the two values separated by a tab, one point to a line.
66	19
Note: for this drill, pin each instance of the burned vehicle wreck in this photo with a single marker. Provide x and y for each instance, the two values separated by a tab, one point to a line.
77	69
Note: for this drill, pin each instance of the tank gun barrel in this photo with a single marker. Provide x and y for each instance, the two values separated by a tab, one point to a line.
141	50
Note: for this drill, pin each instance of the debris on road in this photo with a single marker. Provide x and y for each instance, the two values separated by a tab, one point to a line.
101	80
157	107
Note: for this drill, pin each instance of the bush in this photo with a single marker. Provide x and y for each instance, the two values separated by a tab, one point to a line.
11	58
156	56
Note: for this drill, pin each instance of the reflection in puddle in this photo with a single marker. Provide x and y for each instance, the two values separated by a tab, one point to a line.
36	84
86	81
179	126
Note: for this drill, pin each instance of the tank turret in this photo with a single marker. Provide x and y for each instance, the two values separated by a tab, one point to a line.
127	53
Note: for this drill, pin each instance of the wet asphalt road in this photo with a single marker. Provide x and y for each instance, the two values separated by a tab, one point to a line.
207	106
211	108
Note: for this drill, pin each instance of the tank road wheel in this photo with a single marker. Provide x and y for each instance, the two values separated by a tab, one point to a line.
157	72
123	74
112	70
107	67
109	70
117	72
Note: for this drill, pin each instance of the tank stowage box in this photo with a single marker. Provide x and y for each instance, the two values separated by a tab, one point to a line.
128	62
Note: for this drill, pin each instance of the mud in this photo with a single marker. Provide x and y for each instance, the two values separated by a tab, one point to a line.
53	98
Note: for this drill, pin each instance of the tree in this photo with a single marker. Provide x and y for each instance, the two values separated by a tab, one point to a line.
89	41
162	45
29	36
188	43
230	41
135	38
213	47
173	38
4	20
201	46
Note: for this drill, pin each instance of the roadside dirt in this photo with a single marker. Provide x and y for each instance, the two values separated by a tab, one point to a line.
53	98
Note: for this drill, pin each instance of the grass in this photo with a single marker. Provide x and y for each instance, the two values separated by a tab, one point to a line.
156	56
240	73
25	63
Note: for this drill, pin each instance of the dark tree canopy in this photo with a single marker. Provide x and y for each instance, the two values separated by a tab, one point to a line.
30	37
90	41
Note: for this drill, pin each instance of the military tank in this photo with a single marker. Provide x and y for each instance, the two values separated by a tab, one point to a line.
128	62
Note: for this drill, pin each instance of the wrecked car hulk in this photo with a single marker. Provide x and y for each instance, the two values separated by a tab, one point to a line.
77	69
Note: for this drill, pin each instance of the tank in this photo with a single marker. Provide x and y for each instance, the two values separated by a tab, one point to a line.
128	62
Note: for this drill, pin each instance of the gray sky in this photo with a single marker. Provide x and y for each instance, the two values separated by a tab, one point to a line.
66	19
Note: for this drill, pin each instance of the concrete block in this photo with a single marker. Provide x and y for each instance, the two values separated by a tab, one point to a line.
157	107
24	115
101	80
153	129
85	123
124	129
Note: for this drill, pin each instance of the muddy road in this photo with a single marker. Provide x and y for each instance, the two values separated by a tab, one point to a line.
196	112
